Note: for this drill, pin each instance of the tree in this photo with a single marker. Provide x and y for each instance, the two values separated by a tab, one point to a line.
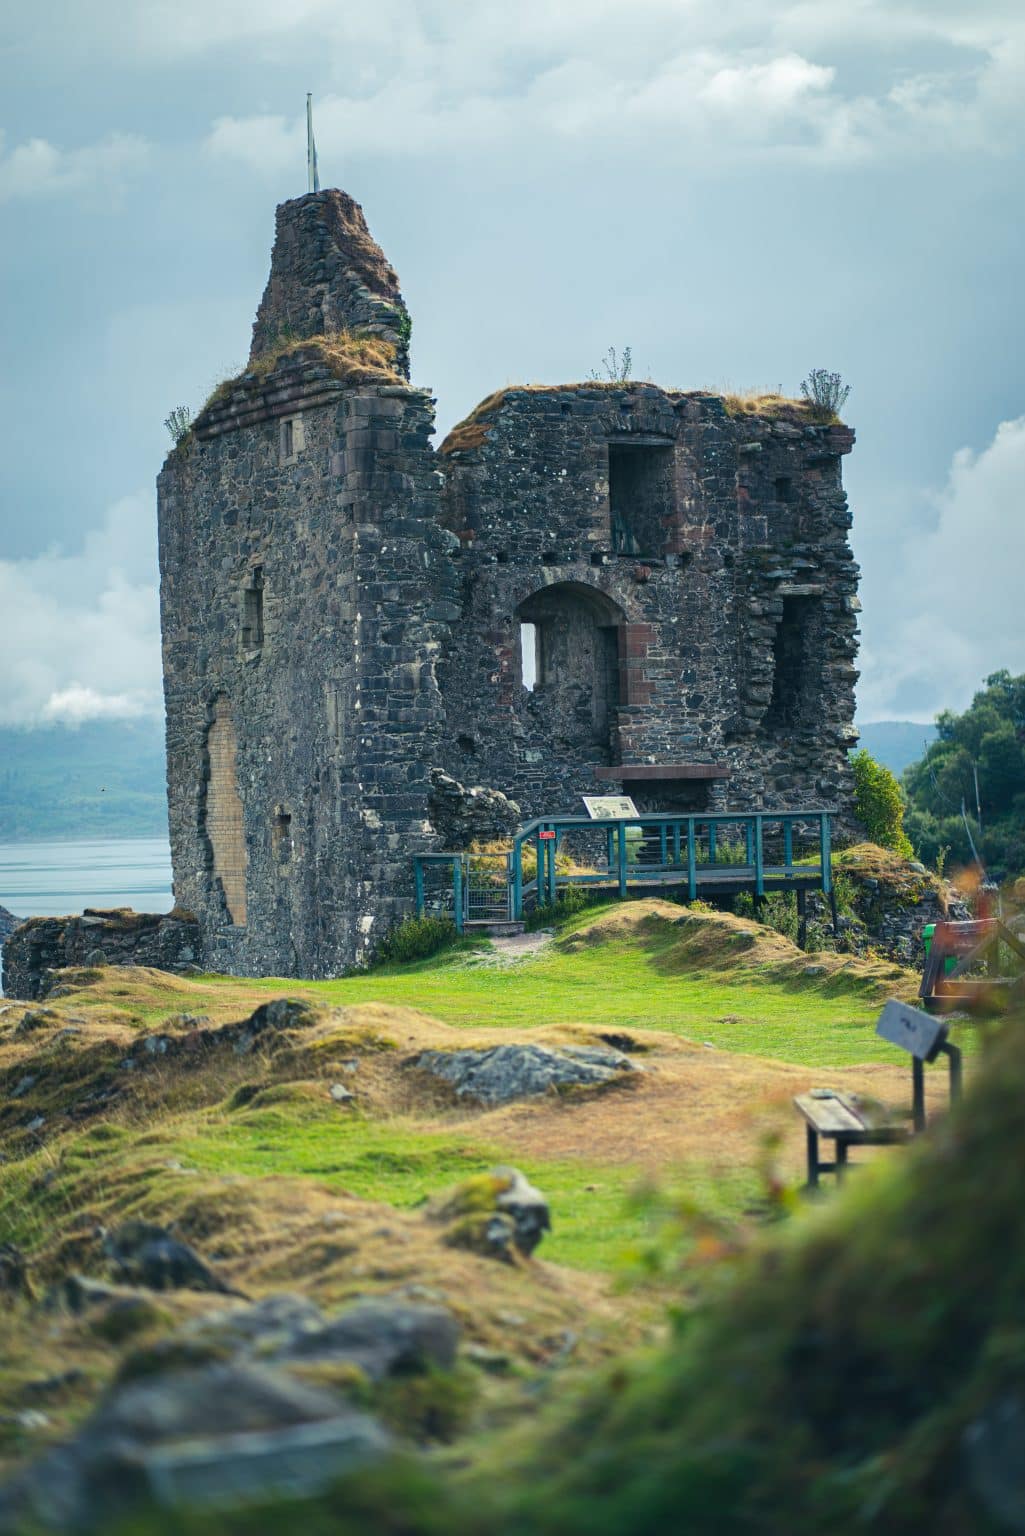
978	764
879	804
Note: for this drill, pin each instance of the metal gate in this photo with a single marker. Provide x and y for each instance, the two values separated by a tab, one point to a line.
487	888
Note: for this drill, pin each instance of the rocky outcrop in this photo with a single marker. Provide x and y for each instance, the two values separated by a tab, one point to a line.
40	947
507	1072
499	1215
891	901
8	923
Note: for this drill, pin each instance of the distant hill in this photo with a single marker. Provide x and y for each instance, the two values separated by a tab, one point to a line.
104	779
896	743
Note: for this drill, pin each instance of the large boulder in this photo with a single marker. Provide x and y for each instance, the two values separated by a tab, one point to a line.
503	1073
221	1435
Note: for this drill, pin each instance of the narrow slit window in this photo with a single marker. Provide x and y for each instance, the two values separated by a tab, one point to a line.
529	670
281	834
252	613
292	439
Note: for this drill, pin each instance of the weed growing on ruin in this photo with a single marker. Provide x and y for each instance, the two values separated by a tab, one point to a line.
614	368
179	424
826	391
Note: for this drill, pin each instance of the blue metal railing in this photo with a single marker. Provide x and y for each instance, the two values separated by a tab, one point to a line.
660	848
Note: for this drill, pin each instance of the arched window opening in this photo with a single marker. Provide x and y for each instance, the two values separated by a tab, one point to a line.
572	632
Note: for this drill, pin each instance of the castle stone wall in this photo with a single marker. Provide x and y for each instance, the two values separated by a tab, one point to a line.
369	645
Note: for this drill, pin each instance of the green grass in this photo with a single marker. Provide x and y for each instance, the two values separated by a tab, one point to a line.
620	985
395	1162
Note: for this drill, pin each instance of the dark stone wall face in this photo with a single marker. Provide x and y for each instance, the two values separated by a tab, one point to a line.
712	551
334	708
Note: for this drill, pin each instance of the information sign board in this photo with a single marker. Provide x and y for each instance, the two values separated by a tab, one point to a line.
609	807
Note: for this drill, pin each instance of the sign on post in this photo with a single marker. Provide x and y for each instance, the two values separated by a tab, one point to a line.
609	807
914	1031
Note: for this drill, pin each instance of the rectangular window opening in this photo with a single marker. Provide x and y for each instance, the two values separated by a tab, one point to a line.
641	497
791	701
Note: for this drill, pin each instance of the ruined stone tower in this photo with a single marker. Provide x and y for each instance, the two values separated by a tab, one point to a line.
585	585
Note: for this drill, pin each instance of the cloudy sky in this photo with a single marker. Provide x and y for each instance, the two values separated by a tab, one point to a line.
740	190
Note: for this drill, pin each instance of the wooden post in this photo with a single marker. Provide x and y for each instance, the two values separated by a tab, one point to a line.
692	872
539	847
419	873
918	1093
552	885
825	856
622	861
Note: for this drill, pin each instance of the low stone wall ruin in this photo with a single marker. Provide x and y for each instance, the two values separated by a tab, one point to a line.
44	945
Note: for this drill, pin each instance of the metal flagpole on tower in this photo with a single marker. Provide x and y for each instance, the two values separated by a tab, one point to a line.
312	174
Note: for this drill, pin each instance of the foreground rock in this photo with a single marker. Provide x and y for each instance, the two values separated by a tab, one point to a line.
141	1253
380	1338
508	1072
225	1434
499	1215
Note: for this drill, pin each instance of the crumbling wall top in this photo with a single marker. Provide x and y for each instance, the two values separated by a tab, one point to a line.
328	274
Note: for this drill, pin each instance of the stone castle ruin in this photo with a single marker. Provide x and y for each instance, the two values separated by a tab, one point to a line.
588	588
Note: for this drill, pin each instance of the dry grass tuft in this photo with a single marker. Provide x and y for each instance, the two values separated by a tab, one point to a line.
353	358
776	408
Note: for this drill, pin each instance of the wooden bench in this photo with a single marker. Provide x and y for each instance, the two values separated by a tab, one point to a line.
848	1121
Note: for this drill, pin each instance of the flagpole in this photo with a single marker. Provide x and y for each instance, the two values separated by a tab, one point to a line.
312	174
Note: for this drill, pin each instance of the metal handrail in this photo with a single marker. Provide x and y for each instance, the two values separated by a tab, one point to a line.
677	831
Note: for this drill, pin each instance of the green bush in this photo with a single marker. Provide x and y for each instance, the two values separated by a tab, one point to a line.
417	938
879	804
570	900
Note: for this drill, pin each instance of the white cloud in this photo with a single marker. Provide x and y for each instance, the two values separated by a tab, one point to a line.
831	83
956	610
38	169
79	633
